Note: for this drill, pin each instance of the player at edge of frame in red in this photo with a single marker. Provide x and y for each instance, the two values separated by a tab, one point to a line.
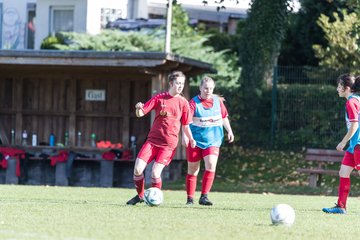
347	87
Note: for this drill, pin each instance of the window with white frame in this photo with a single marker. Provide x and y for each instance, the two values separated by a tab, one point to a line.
61	19
30	26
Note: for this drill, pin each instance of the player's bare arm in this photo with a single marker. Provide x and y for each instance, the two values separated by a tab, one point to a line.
187	131
227	126
353	128
184	138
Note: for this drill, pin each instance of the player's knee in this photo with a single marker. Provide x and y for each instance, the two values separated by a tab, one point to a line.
344	173
138	170
210	167
156	172
193	172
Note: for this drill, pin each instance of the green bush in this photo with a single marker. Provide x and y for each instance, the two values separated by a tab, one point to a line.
50	42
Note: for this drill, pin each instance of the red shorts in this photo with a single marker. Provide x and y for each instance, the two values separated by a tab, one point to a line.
196	154
149	152
351	159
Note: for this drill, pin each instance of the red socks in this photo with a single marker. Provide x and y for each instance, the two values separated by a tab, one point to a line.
207	182
156	182
190	185
344	189
139	184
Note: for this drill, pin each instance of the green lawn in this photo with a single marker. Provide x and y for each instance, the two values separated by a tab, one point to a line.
38	212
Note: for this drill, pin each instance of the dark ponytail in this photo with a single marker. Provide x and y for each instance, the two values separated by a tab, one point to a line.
346	80
356	86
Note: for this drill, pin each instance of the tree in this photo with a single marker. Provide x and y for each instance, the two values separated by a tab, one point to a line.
261	41
343	37
303	32
191	42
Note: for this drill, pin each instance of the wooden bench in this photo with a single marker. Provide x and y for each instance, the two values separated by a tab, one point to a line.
36	167
323	158
87	169
106	167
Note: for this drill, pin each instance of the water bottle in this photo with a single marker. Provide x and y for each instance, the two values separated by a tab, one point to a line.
78	144
24	138
133	145
52	140
12	136
34	140
67	141
93	140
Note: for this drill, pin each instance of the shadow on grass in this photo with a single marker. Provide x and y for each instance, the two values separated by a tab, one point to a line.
269	172
270	188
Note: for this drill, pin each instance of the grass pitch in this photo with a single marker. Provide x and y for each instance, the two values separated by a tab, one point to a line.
38	212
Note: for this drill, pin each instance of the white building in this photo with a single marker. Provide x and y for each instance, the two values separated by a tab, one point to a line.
25	23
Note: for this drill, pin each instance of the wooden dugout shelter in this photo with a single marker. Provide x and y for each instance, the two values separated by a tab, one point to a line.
47	92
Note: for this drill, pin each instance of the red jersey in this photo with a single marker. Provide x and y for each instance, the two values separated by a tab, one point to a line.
352	115
208	103
170	113
352	109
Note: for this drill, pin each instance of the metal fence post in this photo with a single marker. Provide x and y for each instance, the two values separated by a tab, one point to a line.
273	106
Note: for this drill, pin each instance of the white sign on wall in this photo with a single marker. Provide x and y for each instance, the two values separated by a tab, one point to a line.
95	95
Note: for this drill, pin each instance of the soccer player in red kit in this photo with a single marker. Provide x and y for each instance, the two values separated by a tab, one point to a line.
347	88
171	111
209	116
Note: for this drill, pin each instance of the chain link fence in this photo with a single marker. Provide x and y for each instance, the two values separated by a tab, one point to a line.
306	109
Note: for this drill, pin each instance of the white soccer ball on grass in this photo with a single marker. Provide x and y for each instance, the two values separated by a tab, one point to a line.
282	214
153	196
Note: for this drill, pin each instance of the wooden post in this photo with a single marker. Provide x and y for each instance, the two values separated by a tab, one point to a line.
72	117
147	174
11	177
61	178
125	89
106	173
313	179
18	105
158	85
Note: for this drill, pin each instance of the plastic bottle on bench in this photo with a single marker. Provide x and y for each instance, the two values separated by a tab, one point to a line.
93	140
24	138
52	140
12	136
133	145
78	143
67	140
34	139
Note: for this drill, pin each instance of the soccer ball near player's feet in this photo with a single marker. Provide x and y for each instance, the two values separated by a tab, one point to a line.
153	196
282	214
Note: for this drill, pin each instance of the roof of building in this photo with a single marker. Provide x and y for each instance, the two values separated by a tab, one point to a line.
117	61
